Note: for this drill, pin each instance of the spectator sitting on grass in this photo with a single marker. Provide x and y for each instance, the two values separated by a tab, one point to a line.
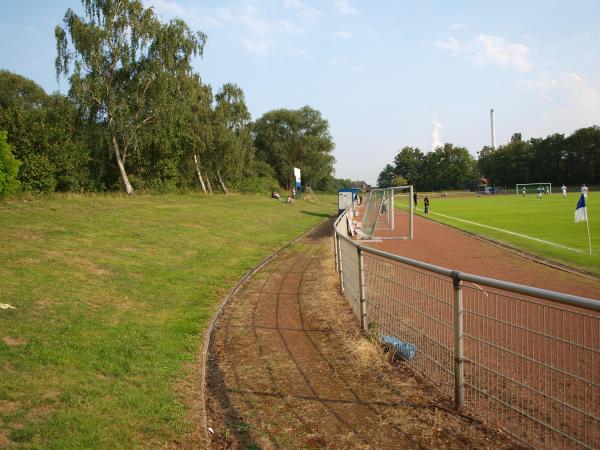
289	199
276	195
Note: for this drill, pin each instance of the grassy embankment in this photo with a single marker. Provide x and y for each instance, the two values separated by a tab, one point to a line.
549	219
111	297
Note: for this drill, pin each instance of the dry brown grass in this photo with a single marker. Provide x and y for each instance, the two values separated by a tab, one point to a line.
13	342
333	311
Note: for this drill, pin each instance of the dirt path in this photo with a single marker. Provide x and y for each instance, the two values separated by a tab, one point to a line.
288	368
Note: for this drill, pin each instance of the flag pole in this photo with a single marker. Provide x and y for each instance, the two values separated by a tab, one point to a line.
587	224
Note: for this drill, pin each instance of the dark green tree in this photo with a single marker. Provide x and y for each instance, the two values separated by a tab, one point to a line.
20	92
45	135
447	167
386	177
287	138
407	163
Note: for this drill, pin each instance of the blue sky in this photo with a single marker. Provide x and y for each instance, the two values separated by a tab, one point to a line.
385	74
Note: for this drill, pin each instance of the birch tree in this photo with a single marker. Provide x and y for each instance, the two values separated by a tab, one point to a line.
123	65
233	149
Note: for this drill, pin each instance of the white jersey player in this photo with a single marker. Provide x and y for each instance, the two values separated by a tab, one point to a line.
584	190
564	191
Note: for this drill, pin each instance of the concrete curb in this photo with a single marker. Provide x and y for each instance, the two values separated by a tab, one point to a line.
209	331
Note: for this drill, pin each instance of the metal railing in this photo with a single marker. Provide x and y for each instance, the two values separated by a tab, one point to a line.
525	359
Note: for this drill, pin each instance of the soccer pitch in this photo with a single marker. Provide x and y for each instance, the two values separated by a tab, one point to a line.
542	227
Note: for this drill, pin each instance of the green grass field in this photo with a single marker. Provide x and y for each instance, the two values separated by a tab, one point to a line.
111	296
548	219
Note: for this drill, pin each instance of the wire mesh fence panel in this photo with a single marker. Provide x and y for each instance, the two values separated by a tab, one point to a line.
372	209
349	259
416	307
532	367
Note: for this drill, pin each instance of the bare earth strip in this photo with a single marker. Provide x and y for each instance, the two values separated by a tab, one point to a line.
288	368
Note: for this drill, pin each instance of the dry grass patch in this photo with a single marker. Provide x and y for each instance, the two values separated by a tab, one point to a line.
13	342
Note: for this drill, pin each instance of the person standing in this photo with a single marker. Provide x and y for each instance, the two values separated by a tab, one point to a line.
426	203
584	190
564	191
415	199
539	192
524	191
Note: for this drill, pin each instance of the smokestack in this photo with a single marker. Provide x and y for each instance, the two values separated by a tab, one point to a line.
493	129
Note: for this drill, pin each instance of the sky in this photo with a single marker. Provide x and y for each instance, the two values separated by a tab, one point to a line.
385	74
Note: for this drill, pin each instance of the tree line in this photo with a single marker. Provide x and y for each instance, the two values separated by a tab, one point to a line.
137	116
573	160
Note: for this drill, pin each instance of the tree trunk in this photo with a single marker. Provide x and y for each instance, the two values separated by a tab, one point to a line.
199	173
209	186
222	183
124	178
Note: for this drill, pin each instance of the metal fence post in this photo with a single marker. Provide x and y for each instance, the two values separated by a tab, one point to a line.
410	213
335	249
458	342
340	265
393	211
361	285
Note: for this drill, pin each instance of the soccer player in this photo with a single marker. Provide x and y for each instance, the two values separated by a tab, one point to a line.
547	192
564	191
539	192
524	191
584	190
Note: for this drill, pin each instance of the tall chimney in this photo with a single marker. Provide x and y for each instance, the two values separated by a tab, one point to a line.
493	129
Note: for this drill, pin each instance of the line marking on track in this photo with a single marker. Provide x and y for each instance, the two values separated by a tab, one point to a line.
502	230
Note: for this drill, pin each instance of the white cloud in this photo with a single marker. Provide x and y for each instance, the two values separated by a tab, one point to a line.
436	134
456	26
449	44
196	18
344	7
485	49
343	34
544	83
338	61
260	35
495	50
287	27
256	47
303	9
580	92
568	88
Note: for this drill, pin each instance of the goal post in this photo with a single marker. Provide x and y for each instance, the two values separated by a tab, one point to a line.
389	213
533	187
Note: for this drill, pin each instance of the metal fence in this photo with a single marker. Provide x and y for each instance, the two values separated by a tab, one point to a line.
525	359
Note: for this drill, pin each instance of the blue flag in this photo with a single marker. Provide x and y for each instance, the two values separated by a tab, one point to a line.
581	210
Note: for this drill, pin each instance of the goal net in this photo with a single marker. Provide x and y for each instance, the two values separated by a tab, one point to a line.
532	188
388	213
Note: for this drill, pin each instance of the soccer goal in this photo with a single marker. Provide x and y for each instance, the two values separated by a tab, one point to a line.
388	213
532	188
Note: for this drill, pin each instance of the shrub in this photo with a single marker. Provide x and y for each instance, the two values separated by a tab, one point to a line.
37	174
9	168
256	184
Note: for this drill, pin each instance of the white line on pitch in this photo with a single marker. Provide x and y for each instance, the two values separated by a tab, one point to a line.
502	230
